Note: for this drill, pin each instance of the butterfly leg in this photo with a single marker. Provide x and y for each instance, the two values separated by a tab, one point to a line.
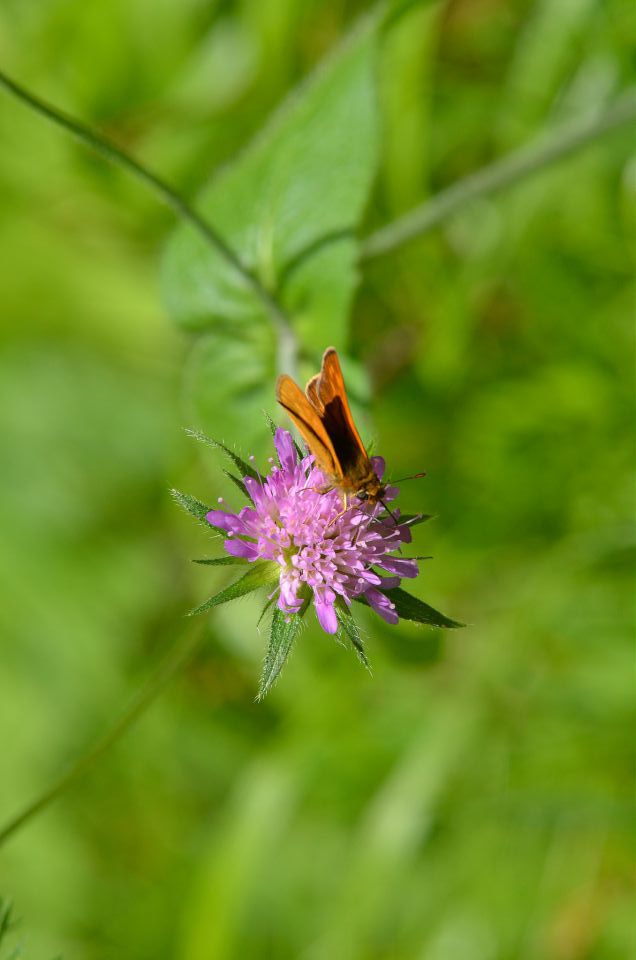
345	507
320	490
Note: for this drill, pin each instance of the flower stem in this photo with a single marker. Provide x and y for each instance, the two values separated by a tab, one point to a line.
287	345
503	173
174	660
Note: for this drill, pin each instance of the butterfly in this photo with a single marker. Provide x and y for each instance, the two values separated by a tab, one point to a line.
324	420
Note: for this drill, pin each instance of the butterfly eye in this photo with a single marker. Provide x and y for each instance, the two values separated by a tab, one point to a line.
362	495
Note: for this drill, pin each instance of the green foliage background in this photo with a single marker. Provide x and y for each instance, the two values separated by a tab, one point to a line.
472	799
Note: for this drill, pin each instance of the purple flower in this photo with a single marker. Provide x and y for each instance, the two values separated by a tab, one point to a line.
323	553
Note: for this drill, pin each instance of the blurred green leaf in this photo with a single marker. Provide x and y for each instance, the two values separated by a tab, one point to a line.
233	373
285	628
291	199
7	925
6	920
259	574
406	90
289	207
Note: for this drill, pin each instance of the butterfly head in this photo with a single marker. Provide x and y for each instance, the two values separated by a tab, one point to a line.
372	490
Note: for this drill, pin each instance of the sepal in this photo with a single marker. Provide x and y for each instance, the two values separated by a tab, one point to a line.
221	561
408	607
259	574
245	469
350	629
196	508
237	482
285	629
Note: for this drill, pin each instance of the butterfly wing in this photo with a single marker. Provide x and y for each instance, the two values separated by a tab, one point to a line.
308	422
327	393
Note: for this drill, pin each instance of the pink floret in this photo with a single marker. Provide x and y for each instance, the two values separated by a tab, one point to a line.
321	551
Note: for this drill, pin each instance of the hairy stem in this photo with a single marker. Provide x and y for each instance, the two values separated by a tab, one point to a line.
174	660
516	166
287	345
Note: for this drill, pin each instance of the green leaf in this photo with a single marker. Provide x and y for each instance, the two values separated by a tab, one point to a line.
285	628
261	573
350	628
289	207
221	561
247	470
411	608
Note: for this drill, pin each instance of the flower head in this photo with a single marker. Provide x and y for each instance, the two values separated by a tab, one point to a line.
324	553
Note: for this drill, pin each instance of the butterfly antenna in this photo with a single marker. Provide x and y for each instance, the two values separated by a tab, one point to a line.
390	512
413	476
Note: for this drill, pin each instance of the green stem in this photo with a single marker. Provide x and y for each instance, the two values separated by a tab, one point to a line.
174	660
503	173
287	346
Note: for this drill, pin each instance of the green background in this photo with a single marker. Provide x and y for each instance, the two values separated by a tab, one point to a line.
472	800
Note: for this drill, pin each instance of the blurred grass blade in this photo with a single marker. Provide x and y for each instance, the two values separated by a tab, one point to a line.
285	628
261	573
6	918
513	168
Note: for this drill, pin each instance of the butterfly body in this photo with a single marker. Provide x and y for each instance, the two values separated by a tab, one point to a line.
323	418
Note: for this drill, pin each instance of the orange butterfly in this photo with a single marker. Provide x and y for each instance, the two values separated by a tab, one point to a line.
323	417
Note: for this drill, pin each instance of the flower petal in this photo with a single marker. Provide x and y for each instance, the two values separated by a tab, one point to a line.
382	605
389	583
379	465
285	448
242	548
254	489
326	614
226	521
400	566
289	601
